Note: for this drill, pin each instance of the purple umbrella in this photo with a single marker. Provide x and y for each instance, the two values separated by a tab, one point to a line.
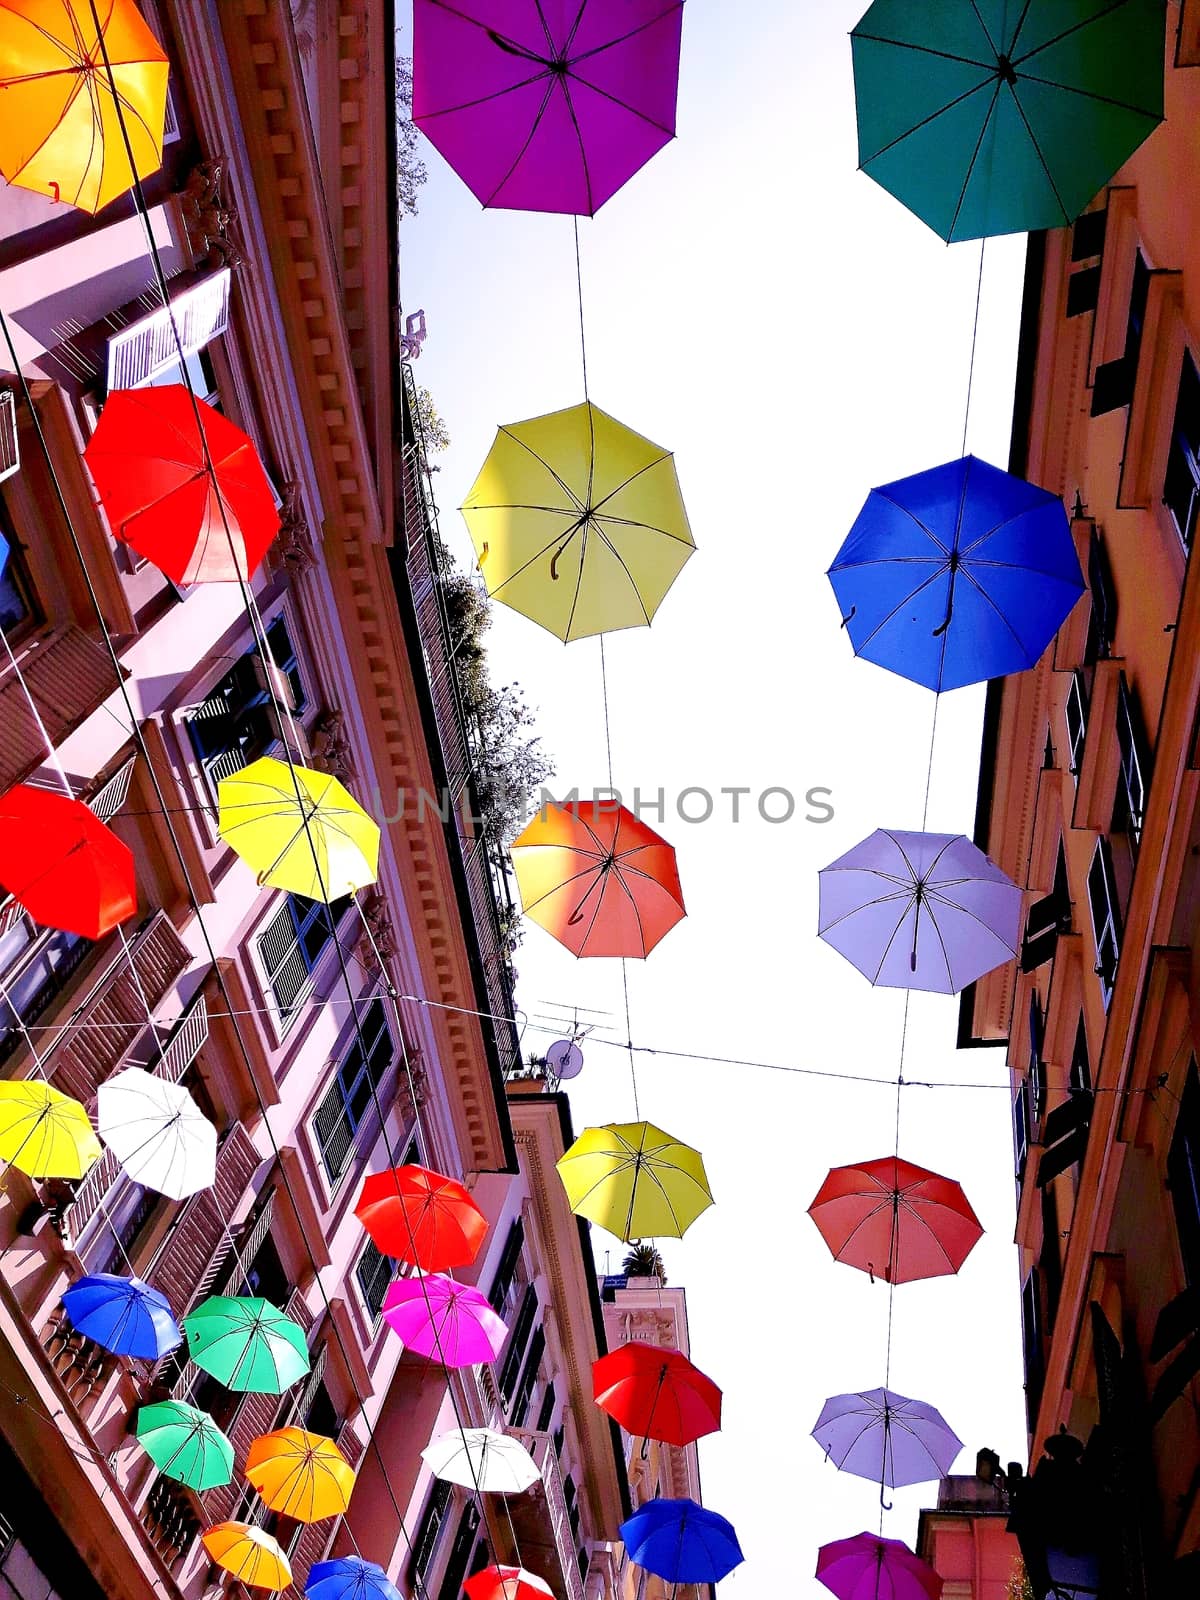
546	105
919	910
886	1437
447	1321
871	1568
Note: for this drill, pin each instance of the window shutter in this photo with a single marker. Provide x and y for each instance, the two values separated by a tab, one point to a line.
283	958
1087	236
10	450
68	677
146	347
509	1257
533	1361
426	1540
1048	918
1102	902
1135	762
1114	385
1066	1137
1104	597
1076	715
516	1342
1083	291
331	1124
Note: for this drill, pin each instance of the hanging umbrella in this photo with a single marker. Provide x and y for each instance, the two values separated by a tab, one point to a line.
124	1315
919	910
480	1458
319	843
597	878
249	1553
157	1132
61	132
446	1321
416	1215
193	499
59	861
578	522
895	1220
43	1133
185	1444
507	1583
246	1343
681	1542
635	1180
886	1437
869	1567
656	1393
546	108
349	1578
957	574
987	119
300	1474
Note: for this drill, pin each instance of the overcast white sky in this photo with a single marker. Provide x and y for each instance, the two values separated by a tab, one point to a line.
760	307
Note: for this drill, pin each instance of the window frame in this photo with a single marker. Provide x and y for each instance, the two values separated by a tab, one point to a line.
1134	766
1106	926
1183	451
254	701
302	924
338	1091
1077	701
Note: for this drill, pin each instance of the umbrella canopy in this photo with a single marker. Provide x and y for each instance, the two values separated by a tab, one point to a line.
957	574
61	132
635	1180
546	108
446	1321
656	1393
416	1215
886	1437
480	1458
349	1578
507	1583
192	499
62	864
249	1553
578	522
185	1444
157	1132
919	910
868	1567
246	1343
318	843
597	878
43	1133
124	1315
681	1542
300	1474
895	1220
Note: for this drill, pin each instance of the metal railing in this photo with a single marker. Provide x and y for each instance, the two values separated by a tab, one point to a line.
541	1448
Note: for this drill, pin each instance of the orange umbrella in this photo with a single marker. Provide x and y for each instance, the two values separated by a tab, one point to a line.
60	131
420	1216
249	1553
302	1475
597	878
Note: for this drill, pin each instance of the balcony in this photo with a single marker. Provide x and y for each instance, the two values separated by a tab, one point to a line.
541	1524
68	677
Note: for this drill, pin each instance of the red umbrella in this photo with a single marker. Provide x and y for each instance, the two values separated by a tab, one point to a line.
420	1216
62	864
895	1220
507	1583
656	1393
197	523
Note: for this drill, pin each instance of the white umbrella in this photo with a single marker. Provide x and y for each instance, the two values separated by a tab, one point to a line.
158	1133
481	1458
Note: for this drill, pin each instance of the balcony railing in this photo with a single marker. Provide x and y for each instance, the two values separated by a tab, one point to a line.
541	1448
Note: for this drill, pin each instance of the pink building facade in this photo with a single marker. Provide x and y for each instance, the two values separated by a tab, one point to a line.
966	1540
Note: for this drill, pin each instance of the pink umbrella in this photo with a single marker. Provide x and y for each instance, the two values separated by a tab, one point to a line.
447	1321
871	1568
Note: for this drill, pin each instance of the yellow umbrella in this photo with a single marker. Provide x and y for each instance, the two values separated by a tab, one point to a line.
303	1475
319	843
578	522
60	133
635	1180
249	1553
44	1133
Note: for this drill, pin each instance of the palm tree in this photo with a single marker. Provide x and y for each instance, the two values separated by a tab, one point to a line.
644	1261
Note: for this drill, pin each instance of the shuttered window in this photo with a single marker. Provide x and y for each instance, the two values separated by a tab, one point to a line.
1076	717
1035	1068
1102	627
351	1094
425	1543
374	1272
1181	486
147	346
517	1340
291	944
237	722
1106	917
507	1268
529	1376
1048	918
546	1412
1130	810
10	451
1115	380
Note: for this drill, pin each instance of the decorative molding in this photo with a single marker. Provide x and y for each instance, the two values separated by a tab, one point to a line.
207	219
294	549
333	753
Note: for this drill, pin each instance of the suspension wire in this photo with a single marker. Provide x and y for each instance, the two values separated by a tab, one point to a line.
974	340
582	338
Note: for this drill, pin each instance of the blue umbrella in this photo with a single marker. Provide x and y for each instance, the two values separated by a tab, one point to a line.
124	1315
681	1542
349	1578
957	574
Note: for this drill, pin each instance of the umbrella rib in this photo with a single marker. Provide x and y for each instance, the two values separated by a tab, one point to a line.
962	195
587	184
1016	33
1038	152
975	584
667	455
650	527
636	910
583	535
899	606
984	29
611	44
932	117
624	568
923	49
1090	94
561	482
912	515
1117	5
965	911
624	104
520	155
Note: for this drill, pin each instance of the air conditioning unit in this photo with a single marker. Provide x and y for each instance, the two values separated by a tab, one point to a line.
10	453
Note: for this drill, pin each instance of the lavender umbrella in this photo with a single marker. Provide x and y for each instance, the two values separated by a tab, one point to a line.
447	1321
871	1568
544	106
919	910
886	1437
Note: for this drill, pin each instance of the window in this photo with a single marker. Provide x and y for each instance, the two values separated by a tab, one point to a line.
195	371
1065	1136
1076	716
1115	380
17	611
1087	244
353	1090
292	944
433	1518
1020	1114
571	1496
1050	1257
546	1410
584	1563
321	1416
460	1554
1080	1076
1183	1176
1106	920
1034	1352
237	722
35	964
517	1340
147	346
1130	810
374	1272
1102	626
506	1271
10	444
1035	1071
1181	486
1048	918
264	1275
529	1374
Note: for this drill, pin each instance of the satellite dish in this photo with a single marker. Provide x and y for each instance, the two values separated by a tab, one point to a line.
564	1058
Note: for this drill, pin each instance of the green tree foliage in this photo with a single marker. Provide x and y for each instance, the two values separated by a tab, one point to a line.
411	173
644	1261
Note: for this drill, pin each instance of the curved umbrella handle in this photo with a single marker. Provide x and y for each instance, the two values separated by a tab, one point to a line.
886	1504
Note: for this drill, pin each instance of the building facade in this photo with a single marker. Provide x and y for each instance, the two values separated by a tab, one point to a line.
1088	798
966	1539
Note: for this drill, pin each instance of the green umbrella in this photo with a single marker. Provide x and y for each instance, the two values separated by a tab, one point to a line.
186	1444
997	116
248	1344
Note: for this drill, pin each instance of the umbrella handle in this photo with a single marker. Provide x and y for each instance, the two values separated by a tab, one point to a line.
849	617
886	1504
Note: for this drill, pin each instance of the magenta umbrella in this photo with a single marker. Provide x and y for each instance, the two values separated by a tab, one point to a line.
871	1568
447	1321
546	105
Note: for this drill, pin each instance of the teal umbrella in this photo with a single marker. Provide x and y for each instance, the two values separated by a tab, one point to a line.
185	1444
998	116
246	1343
